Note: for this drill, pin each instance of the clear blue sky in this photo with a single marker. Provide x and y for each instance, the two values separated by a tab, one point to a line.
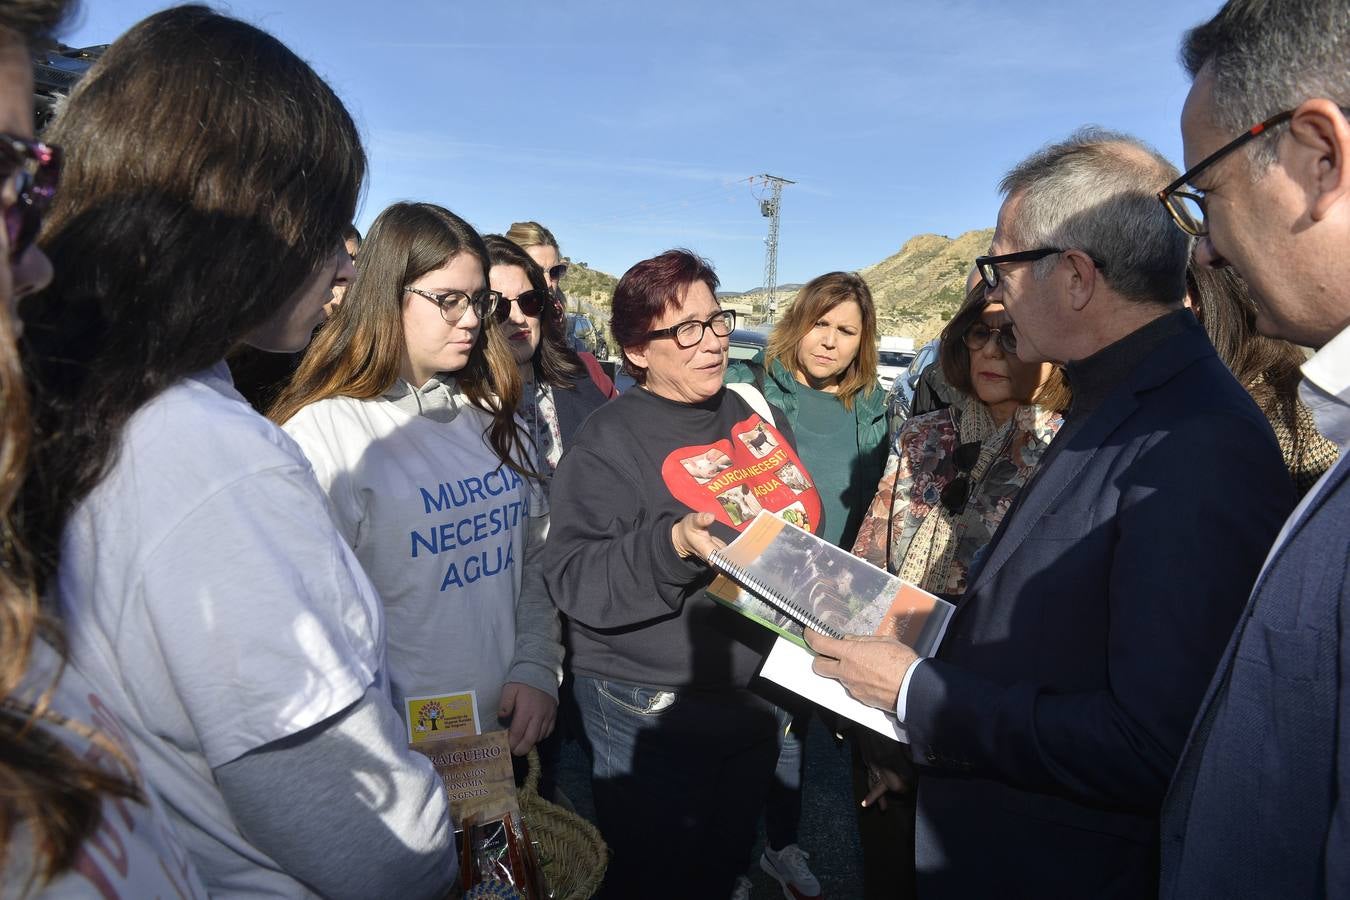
629	128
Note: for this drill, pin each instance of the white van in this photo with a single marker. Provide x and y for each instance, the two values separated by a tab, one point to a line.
893	356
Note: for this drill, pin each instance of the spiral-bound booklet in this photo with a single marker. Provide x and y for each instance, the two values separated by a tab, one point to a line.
785	577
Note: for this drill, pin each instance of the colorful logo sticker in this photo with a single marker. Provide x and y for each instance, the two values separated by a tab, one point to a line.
446	715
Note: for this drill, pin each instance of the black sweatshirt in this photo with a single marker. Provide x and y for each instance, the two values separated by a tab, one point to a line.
637	466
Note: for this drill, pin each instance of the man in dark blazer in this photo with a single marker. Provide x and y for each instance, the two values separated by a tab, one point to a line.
1260	804
1051	719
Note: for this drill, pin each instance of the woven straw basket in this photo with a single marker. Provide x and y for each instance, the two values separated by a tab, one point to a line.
574	854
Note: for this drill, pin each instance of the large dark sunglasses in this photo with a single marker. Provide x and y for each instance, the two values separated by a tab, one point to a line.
957	492
558	272
690	334
531	303
1187	208
978	335
453	304
36	169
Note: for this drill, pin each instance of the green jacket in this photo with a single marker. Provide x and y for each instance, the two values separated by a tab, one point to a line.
780	389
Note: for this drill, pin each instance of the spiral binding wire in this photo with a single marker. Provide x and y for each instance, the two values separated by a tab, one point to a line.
745	579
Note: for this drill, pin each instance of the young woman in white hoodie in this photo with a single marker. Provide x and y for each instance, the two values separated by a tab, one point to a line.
405	405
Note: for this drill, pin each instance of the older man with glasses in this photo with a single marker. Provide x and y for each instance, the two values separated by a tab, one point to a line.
1260	804
1049	722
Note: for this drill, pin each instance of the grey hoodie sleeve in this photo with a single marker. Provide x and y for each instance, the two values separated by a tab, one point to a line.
346	807
538	657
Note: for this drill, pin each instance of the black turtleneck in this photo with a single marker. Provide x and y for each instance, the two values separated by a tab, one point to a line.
1094	378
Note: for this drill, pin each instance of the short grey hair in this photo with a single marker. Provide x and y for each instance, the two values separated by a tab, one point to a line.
1097	192
1267	57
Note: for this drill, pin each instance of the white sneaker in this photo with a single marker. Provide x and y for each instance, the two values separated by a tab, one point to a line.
742	891
788	866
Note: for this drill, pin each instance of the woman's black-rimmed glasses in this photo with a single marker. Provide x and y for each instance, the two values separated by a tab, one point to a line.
957	492
36	169
1187	208
453	304
690	334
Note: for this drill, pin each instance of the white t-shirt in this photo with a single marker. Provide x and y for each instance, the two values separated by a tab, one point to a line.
134	852
207	594
440	526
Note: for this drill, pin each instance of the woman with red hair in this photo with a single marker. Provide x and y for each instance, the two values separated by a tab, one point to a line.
652	484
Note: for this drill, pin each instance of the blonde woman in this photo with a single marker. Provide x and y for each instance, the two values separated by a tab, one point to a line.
542	247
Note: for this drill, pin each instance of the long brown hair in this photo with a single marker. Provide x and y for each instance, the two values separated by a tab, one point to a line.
1266	367
357	353
820	295
44	785
172	240
554	362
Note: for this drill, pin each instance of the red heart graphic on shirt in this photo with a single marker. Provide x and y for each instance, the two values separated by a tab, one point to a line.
737	477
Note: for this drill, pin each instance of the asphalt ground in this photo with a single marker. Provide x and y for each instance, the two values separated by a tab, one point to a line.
828	828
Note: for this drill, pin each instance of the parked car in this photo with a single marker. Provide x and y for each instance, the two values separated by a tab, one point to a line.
55	72
584	336
746	343
900	399
894	354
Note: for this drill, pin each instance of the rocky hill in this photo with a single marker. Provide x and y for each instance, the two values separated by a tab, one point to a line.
917	289
589	290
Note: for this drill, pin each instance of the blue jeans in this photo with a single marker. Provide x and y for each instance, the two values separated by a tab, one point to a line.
783	809
679	780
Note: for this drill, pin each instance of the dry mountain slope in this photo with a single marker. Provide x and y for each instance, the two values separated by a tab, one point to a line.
917	289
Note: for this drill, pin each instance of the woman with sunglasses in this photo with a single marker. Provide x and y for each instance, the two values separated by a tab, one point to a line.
558	393
952	474
542	247
404	405
206	594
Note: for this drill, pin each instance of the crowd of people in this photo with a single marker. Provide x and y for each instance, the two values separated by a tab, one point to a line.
250	512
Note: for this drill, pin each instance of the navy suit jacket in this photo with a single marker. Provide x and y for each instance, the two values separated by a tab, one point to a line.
1049	724
1260	805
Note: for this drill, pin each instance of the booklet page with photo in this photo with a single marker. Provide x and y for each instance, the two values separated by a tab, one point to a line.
784	577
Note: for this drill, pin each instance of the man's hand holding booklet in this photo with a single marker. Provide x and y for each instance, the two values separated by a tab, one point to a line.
784	578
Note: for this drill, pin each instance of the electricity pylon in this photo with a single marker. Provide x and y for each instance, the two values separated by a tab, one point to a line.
769	208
